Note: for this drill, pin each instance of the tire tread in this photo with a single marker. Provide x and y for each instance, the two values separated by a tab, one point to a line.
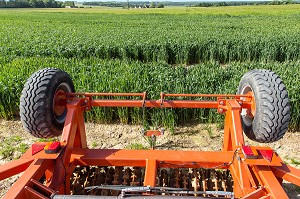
34	103
273	112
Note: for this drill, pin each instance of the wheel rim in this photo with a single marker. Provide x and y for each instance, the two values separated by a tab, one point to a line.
59	105
248	114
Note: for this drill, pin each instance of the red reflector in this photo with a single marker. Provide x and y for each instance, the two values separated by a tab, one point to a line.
52	147
248	152
36	147
267	154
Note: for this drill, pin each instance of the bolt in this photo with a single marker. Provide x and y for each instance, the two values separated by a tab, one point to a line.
240	102
221	110
221	102
86	108
85	101
243	159
68	101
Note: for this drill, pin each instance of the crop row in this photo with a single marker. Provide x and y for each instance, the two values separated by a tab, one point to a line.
173	39
96	75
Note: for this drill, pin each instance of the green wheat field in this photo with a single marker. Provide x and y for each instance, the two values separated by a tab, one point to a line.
174	50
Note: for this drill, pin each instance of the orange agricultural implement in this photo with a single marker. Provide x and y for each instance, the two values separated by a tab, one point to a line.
69	169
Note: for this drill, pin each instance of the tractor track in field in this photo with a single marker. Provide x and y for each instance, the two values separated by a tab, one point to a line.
203	137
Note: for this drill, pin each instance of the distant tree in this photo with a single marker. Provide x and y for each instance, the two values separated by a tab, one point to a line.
160	5
37	3
11	4
152	5
2	3
69	3
30	3
40	4
49	3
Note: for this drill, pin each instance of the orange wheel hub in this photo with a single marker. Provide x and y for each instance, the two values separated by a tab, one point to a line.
251	112
59	107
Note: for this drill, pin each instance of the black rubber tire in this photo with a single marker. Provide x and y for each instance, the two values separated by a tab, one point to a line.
272	115
37	100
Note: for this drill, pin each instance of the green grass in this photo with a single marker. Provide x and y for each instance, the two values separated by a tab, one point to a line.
136	146
296	162
94	144
12	147
209	131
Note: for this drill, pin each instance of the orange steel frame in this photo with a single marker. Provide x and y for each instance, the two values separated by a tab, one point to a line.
253	178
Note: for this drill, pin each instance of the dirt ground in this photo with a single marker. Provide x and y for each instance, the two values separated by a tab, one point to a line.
202	137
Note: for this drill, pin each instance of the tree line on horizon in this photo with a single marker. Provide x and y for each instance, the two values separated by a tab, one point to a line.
132	4
32	4
242	3
153	4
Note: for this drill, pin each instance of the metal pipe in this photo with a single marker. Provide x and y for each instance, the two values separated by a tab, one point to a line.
155	103
131	197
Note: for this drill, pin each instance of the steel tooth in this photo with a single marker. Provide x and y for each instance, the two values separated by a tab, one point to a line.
195	180
92	181
223	178
215	180
175	178
116	179
142	176
104	192
192	179
185	178
83	179
159	180
116	176
126	176
204	179
87	178
164	177
75	180
229	180
76	183
135	177
210	184
96	176
95	181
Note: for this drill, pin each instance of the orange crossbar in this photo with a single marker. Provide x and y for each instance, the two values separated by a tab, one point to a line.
155	103
161	103
165	158
162	95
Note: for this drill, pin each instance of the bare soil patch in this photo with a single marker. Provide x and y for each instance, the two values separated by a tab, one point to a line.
202	137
